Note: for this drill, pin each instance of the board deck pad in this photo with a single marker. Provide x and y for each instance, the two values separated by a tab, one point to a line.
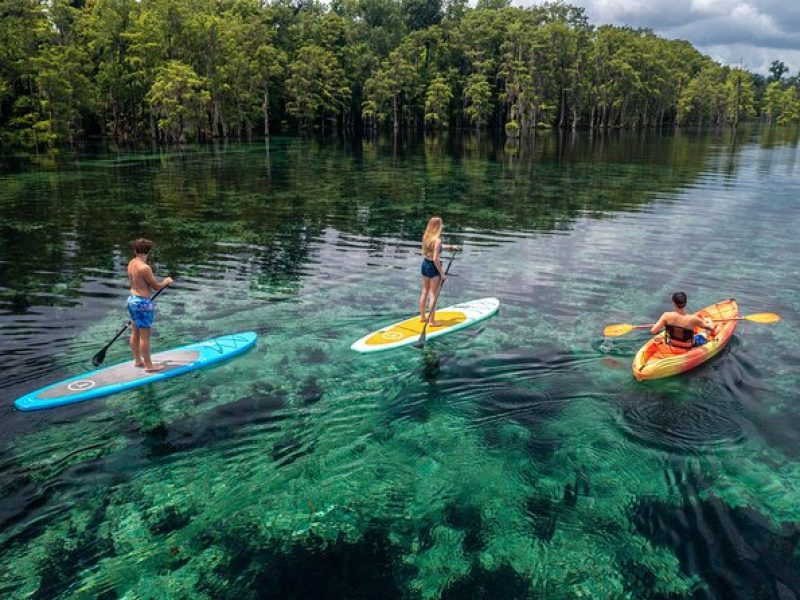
170	360
125	376
404	333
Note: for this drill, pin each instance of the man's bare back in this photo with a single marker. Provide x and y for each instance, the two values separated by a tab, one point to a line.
680	318
684	320
141	278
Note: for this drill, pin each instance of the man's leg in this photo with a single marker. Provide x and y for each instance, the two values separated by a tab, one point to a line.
134	341
144	346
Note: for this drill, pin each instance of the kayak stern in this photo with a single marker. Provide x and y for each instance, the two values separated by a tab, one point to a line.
657	359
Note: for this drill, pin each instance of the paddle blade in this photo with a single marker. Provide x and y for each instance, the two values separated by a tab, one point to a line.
763	318
98	358
617	329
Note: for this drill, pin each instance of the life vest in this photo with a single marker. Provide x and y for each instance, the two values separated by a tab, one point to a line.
679	337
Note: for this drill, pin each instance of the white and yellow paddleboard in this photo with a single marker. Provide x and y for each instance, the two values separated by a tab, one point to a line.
407	332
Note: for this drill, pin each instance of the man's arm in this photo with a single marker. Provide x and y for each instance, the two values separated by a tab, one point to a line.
703	322
659	324
151	280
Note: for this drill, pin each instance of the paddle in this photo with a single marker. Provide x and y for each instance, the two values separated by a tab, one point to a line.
98	358
421	341
622	328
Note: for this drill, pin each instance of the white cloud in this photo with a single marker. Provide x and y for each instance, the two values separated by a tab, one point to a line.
753	58
753	32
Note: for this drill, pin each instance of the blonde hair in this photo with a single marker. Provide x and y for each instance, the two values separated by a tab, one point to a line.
432	231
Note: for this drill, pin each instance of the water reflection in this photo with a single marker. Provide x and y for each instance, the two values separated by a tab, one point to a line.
518	457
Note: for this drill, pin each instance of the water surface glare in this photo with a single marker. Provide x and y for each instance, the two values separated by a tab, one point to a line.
518	458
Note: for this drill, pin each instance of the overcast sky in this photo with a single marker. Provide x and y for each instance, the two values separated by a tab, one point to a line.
752	33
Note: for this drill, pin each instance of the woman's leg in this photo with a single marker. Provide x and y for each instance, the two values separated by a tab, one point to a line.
435	283
426	287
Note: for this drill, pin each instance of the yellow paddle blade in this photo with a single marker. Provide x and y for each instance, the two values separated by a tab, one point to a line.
763	318
617	329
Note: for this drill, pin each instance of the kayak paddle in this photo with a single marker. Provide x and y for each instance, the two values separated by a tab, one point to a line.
421	341
98	358
622	328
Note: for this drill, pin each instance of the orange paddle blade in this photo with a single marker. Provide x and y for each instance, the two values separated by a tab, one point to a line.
618	329
763	318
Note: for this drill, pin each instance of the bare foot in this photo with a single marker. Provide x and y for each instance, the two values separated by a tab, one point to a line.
154	368
422	319
436	324
138	364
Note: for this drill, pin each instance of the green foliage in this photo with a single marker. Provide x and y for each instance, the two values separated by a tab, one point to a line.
421	14
71	68
740	96
777	70
478	98
437	100
703	98
781	104
179	98
316	85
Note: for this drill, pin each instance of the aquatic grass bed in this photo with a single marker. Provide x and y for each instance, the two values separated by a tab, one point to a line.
514	458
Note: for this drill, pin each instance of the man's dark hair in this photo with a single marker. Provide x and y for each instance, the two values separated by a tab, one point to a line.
141	246
679	299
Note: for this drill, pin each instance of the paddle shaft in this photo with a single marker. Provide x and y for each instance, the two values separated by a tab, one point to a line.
712	320
100	356
421	341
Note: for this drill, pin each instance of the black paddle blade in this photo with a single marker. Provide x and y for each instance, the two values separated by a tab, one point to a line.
98	358
420	342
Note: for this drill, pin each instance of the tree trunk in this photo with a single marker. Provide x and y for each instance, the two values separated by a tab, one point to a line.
265	108
153	132
214	119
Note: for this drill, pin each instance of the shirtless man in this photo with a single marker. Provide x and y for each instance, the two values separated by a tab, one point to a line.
680	325
140	307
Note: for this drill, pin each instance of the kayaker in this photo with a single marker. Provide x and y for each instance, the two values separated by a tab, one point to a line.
432	272
679	326
140	307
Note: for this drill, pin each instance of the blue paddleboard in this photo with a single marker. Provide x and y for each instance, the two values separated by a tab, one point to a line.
125	376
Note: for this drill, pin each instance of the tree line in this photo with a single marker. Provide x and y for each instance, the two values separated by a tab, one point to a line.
178	70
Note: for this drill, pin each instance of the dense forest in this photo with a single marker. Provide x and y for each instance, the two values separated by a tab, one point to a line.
177	70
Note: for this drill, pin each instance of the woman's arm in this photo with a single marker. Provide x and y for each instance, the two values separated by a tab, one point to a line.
437	258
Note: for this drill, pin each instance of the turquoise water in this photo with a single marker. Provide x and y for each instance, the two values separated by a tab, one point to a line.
518	458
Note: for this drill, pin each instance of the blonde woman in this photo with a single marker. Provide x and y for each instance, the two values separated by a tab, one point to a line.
433	275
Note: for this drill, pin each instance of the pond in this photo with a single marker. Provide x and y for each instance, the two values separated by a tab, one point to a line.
516	458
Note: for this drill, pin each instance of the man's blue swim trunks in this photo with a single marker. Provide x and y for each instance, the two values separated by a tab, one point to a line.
142	311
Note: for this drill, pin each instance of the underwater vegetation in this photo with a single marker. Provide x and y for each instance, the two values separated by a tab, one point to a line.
515	459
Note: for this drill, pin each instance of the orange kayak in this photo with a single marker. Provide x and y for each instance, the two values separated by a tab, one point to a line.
658	359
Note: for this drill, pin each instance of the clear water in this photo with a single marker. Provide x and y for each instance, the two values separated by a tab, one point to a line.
518	458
